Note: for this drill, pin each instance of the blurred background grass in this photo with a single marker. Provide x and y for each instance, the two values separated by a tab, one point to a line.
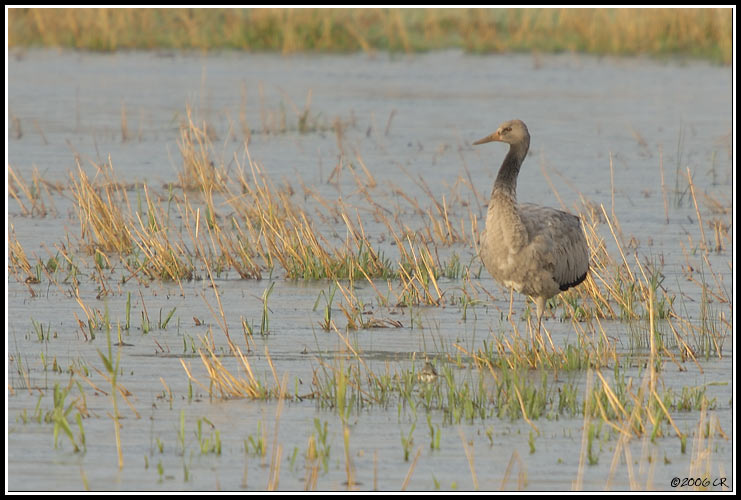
699	33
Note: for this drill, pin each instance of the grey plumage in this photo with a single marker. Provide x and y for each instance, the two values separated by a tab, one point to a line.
538	251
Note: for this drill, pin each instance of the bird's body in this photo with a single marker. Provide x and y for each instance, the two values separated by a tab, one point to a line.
537	251
428	373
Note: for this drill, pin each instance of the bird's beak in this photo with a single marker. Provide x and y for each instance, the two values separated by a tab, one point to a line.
488	138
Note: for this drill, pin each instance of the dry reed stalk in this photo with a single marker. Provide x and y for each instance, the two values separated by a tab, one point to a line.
550	183
89	313
706	289
524	412
246	130
412	466
701	452
715	206
349	472
690	330
605	417
17	258
725	298
577	485
637	416
40	131
191	377
442	227
719	229
222	380
697	211
422	271
622	440
167	389
629	463
388	122
521	476
666	413
375	470
199	171
15	183
505	346
102	223
371	181
653	354
612	198
123	391
164	259
288	236
124	124
356	33
612	398
410	291
624	448
600	268
40	184
240	257
619	245
469	457
312	465
117	433
274	475
368	371
81	326
663	185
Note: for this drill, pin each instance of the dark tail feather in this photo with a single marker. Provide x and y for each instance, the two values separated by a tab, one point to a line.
566	286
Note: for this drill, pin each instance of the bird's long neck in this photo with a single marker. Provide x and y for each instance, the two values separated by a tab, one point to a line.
506	182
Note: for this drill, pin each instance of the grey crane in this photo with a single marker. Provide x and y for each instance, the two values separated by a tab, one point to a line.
538	251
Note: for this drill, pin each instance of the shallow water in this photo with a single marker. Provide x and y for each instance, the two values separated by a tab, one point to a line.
406	116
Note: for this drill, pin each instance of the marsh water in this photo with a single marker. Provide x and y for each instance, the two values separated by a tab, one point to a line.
603	130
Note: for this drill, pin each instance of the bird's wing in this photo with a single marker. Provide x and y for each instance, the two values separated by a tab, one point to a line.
560	240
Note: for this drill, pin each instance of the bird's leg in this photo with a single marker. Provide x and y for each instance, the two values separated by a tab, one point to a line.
540	305
511	299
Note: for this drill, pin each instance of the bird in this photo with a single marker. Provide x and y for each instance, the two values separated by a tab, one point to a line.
428	373
537	251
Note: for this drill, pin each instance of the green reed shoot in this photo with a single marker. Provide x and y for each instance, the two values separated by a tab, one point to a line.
407	441
112	369
434	434
322	446
39	330
181	432
163	324
257	442
128	312
208	444
531	442
328	299
59	416
265	320
591	457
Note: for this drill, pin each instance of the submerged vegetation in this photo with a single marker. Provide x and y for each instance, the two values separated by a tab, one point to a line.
703	33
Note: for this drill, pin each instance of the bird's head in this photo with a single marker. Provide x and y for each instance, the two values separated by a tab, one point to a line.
511	132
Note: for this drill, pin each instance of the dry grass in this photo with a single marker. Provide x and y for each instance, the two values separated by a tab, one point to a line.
103	224
225	384
32	198
18	264
696	32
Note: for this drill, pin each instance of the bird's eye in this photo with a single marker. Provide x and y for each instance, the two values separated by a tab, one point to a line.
505	130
